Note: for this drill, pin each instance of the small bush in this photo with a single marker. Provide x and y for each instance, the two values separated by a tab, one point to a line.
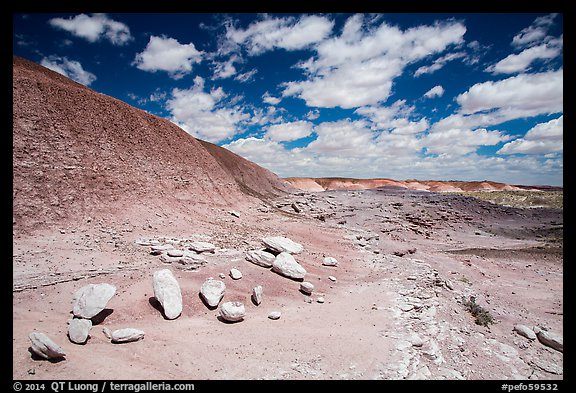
482	315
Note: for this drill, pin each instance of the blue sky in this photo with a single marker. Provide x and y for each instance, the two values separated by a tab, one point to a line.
399	95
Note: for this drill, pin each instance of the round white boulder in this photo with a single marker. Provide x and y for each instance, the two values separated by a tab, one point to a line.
232	311
307	287
79	329
212	292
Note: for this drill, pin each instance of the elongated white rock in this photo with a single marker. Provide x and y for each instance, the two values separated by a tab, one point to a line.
552	340
79	329
233	311
525	331
282	244
127	335
44	347
235	274
260	258
167	292
91	299
286	265
212	292
202	247
257	294
330	261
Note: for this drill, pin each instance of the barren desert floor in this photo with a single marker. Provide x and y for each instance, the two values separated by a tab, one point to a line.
408	260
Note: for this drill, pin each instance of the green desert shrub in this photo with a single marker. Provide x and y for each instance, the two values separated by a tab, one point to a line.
482	315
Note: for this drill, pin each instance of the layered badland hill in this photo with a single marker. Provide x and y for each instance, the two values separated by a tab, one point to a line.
79	154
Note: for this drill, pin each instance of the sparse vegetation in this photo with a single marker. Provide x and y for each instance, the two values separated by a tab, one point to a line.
482	315
520	199
465	280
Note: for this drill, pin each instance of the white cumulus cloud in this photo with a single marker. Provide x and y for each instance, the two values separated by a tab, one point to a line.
287	33
69	68
246	76
458	141
167	54
95	27
543	138
225	69
518	96
537	31
436	91
285	132
439	63
394	118
358	67
342	138
268	99
520	62
204	114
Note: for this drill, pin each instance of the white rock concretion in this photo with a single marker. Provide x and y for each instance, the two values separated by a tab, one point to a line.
44	347
89	300
235	274
274	315
257	294
107	333
232	311
320	299
175	253
330	261
200	247
79	329
158	249
260	258
144	241
212	291
167	292
306	287
551	340
188	259
286	265
525	331
126	335
282	244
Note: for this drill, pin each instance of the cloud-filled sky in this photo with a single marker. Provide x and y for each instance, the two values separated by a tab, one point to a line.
399	95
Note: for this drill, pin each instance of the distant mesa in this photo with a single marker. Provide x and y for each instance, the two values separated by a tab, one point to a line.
343	183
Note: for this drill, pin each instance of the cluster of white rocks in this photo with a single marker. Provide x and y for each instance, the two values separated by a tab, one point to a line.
92	299
550	339
87	302
277	255
284	262
184	253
